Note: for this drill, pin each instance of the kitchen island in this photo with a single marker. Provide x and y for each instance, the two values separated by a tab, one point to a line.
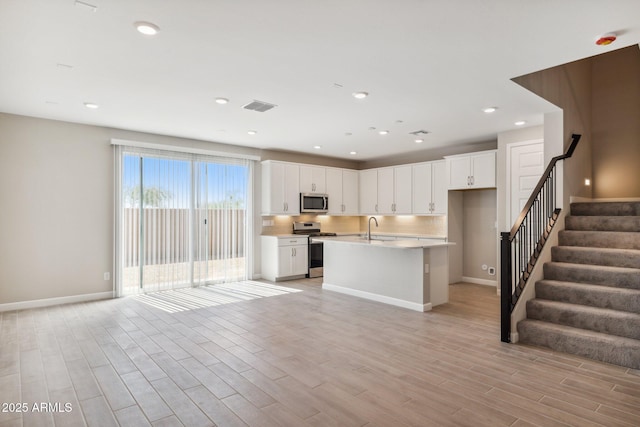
413	274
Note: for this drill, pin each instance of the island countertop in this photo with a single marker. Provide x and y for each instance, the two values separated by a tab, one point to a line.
398	244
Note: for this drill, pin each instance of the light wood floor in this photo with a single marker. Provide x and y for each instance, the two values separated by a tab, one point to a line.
308	358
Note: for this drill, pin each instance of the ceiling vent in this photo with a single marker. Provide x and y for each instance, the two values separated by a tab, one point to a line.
419	132
259	106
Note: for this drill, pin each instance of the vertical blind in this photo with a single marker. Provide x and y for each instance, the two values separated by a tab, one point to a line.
181	219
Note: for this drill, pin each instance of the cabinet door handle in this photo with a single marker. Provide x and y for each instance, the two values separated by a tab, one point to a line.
376	208
473	180
313	187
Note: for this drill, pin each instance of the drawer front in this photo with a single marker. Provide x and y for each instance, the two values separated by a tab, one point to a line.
292	241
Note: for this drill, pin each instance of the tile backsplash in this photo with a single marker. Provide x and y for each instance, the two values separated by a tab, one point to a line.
333	224
429	225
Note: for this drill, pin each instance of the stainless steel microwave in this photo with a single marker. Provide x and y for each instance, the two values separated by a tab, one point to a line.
314	203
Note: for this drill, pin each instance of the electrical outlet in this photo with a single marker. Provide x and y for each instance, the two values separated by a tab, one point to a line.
107	276
492	271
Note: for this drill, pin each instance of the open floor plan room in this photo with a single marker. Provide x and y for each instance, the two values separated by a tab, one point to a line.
296	356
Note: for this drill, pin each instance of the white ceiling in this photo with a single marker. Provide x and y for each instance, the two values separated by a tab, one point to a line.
433	65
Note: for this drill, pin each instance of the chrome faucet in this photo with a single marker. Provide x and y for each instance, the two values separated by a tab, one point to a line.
369	229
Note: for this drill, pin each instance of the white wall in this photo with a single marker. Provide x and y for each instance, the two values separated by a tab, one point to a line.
56	223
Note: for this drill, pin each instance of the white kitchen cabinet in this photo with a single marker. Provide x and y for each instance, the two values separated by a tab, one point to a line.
280	188
429	188
368	193
390	188
312	179
385	191
473	170
402	188
284	257
342	188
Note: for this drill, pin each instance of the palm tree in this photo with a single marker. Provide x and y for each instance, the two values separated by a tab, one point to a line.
153	197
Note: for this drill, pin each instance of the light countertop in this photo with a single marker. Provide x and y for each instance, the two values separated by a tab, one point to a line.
399	244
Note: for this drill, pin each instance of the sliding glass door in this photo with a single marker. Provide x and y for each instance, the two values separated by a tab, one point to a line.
182	220
221	221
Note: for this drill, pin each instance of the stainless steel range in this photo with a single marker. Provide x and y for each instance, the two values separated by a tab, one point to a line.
312	229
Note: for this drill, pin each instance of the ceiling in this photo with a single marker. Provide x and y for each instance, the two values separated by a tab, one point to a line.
427	65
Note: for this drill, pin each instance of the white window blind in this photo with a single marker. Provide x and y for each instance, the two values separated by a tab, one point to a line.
182	219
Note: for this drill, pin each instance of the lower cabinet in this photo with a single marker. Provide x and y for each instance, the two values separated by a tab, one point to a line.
284	257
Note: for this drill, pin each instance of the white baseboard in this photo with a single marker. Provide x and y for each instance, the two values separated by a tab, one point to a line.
514	337
23	305
379	298
480	281
256	277
578	199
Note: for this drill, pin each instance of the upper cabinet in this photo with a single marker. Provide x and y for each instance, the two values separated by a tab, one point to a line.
368	193
312	179
280	188
342	188
430	188
386	191
472	170
282	183
394	190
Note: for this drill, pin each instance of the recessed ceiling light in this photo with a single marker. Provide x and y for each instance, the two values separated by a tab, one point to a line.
383	132
252	132
419	141
91	105
520	123
353	153
490	110
221	101
146	28
317	147
360	95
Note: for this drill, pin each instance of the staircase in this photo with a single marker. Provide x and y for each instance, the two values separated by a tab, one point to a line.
589	300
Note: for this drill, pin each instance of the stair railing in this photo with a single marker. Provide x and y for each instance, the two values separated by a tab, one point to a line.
521	247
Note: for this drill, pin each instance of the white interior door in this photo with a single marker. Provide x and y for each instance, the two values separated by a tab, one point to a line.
526	165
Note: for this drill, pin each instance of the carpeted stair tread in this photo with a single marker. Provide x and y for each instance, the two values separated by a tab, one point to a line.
599	239
604	320
622	299
603	223
594	345
629	258
594	274
588	303
605	208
